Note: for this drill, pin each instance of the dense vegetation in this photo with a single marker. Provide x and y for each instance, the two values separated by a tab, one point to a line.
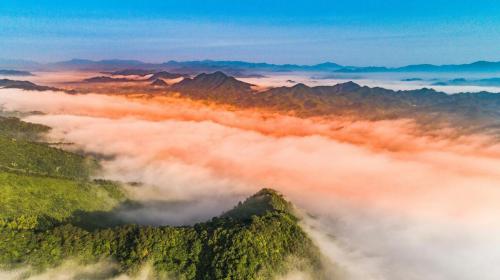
39	159
57	198
20	153
234	246
51	211
15	128
40	184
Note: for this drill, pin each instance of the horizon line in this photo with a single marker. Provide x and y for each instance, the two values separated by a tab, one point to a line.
241	61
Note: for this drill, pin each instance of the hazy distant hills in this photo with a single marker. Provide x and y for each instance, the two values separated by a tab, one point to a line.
466	111
340	99
85	64
432	109
106	79
237	68
165	75
479	66
214	83
131	72
19	64
211	65
26	85
14	73
494	82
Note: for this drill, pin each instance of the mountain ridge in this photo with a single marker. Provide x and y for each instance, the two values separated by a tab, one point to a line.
236	67
431	108
26	85
216	81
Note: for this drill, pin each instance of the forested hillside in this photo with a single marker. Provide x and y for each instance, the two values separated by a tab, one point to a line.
51	210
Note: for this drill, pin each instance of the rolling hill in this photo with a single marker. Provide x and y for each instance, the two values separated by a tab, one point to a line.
52	211
255	240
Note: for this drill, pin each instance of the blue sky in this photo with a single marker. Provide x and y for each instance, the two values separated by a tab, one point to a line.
348	32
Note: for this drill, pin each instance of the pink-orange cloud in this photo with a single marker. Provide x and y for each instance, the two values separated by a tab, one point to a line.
383	188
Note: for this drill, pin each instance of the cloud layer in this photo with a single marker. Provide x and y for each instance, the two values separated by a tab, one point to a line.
402	204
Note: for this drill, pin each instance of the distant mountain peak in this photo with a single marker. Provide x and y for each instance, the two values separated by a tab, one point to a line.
216	74
331	65
212	81
348	86
159	83
300	86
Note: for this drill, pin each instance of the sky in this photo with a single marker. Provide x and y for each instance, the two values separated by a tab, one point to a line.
362	32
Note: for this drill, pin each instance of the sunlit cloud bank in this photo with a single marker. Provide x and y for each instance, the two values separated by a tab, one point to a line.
401	204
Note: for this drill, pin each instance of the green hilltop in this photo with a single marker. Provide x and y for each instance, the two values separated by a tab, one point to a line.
51	211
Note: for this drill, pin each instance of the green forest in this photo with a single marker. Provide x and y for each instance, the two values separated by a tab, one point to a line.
52	210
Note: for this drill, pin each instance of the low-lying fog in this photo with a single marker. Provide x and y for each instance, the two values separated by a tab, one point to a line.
386	202
395	81
445	82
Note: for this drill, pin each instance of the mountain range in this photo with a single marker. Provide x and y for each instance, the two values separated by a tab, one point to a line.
14	73
467	112
494	82
430	108
238	68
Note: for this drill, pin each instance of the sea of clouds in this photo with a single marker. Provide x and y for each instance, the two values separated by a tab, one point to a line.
383	200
